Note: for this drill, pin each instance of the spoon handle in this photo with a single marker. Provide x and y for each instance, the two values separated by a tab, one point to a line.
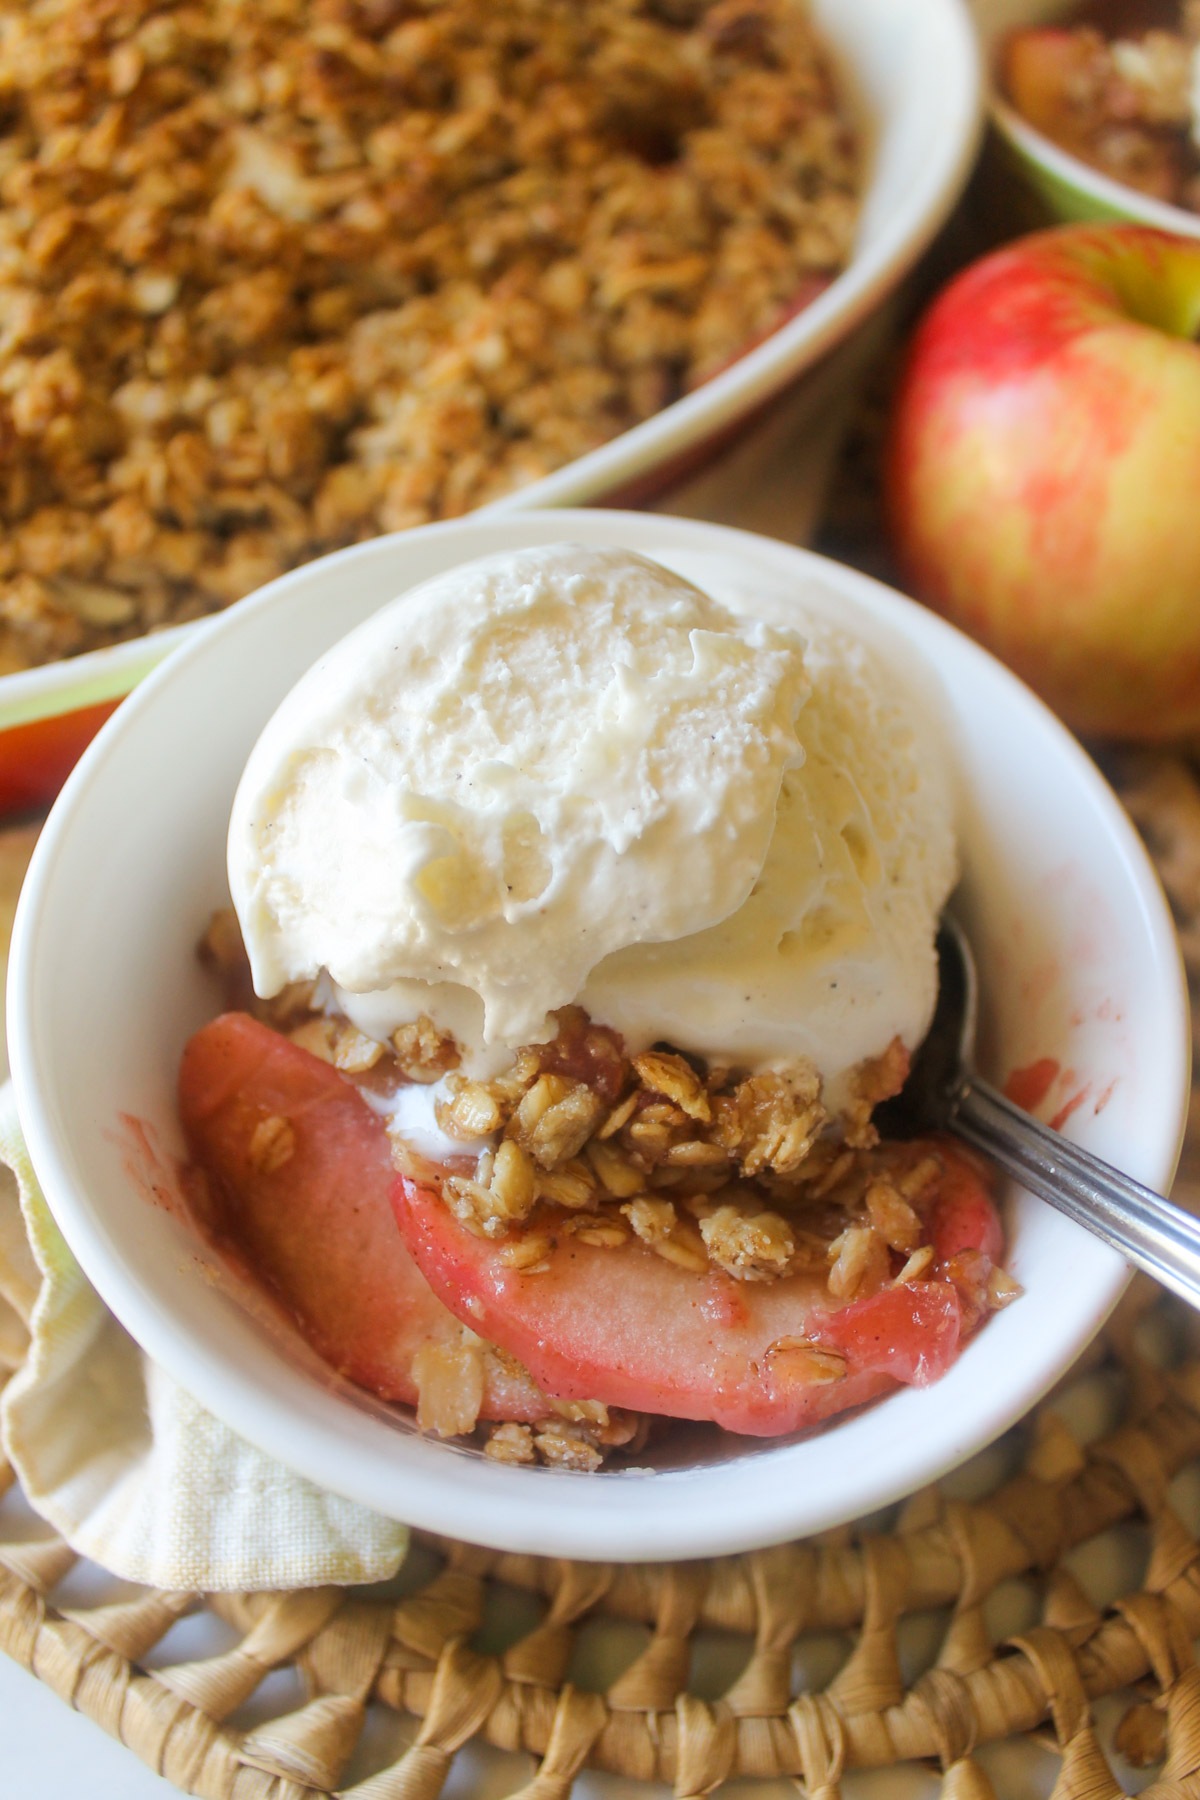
1147	1230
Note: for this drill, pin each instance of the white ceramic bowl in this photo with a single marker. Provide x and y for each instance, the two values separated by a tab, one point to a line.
912	67
1078	958
1064	189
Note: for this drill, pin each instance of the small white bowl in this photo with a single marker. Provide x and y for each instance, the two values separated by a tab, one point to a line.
913	73
1078	959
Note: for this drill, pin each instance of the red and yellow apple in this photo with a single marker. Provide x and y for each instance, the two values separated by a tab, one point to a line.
1043	471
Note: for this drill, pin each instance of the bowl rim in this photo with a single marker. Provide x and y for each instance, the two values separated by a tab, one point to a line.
440	1491
753	379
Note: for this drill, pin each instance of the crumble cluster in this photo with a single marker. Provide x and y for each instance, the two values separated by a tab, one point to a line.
745	1176
711	1169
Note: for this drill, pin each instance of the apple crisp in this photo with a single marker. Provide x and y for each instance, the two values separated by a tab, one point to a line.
714	1170
1120	96
274	279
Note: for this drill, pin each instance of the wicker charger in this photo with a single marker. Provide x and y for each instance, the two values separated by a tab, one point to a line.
422	1655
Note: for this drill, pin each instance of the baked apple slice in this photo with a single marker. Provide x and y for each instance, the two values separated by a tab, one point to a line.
624	1326
299	1179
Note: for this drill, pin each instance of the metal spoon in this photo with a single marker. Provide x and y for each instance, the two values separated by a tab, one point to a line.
943	1093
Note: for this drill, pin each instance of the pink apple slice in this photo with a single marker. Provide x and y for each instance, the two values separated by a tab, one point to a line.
318	1230
963	1217
626	1327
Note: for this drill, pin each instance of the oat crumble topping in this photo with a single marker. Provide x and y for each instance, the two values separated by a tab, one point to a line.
276	278
743	1176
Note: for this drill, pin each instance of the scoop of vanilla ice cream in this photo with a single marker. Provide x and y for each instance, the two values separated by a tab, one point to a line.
831	954
503	778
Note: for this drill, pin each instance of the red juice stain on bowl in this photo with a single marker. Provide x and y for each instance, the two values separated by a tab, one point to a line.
153	1174
1028	1087
1072	1105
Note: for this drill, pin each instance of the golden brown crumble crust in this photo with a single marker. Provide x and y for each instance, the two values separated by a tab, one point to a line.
276	278
741	1175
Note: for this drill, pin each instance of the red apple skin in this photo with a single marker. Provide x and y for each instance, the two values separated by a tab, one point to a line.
1043	471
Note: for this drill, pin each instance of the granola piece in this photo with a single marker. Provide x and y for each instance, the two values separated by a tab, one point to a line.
858	1262
222	951
423	1052
272	1144
695	1154
827	1166
614	1171
530	1254
1002	1290
508	1088
698	1179
468	1200
626	1431
513	1185
449	1380
573	1186
663	1072
500	1363
653	1220
586	1052
915	1183
353	1051
502	1193
650	1137
659	1226
511	1443
618	1117
605	1233
334	1041
807	1363
663	1112
316	1035
748	1246
608	1427
555	1119
471	1112
565	1446
593	1414
882	1077
878	1078
917	1266
811	1253
892	1217
410	1162
771	1121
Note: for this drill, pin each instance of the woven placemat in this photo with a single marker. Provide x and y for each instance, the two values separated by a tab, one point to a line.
430	1654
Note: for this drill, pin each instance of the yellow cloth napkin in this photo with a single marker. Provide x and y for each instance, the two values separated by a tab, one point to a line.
129	1469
